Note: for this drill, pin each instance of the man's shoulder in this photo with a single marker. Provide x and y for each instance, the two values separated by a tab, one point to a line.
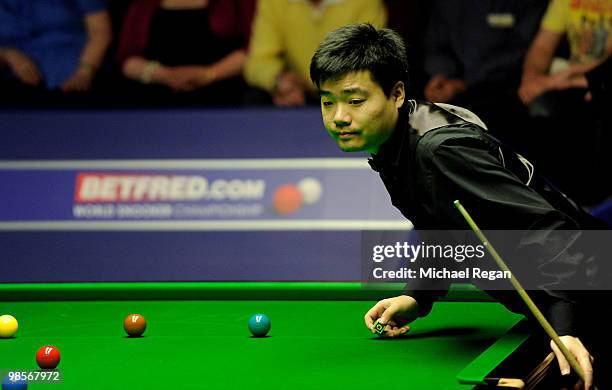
467	134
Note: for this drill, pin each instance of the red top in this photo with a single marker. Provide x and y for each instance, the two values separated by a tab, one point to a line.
227	18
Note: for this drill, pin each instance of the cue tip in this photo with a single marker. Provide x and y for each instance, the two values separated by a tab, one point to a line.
510	383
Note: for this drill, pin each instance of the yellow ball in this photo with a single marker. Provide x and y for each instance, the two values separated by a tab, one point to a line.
8	326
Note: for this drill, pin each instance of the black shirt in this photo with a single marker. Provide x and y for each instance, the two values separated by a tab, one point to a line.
184	37
439	153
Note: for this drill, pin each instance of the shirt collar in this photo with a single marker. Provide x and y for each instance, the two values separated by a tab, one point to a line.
414	121
426	116
391	151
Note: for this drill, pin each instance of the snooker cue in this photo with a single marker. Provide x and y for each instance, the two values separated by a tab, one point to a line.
530	304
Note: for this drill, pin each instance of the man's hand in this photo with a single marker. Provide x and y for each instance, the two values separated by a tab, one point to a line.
396	313
177	79
195	75
571	77
289	91
22	66
584	358
80	81
532	88
441	89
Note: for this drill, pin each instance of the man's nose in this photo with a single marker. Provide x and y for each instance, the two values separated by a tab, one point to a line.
342	118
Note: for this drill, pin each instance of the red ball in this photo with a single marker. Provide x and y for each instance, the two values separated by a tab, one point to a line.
287	199
48	357
134	325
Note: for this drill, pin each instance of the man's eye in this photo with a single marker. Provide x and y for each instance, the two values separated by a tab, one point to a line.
327	104
356	101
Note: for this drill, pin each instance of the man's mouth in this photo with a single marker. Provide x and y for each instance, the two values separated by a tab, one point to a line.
346	134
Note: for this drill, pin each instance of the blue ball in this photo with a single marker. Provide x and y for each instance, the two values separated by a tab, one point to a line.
7	384
259	325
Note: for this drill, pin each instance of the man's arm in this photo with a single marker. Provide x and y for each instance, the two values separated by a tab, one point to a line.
264	62
12	35
471	170
21	65
535	79
99	35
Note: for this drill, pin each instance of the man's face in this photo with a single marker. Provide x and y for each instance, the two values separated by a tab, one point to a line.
357	113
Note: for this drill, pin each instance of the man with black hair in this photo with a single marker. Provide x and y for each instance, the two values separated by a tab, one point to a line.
430	154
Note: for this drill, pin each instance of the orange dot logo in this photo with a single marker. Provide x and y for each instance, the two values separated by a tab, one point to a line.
287	199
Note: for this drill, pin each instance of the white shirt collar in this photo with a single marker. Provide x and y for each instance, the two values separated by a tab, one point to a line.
424	117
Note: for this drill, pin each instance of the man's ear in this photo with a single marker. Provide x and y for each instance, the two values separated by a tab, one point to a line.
398	93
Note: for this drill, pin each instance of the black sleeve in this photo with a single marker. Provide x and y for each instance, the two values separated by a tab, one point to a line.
426	297
472	171
427	291
600	83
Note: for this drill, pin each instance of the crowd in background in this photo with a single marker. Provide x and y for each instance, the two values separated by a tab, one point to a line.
522	65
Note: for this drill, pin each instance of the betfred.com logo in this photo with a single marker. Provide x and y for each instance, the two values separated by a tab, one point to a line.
103	187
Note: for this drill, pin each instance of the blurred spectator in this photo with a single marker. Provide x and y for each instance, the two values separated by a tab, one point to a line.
568	138
51	45
600	94
553	89
185	51
286	34
410	18
474	55
597	79
587	26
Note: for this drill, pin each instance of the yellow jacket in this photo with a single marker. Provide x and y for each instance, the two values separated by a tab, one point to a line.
287	32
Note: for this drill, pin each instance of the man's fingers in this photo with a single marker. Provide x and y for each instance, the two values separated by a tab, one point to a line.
388	314
528	96
288	98
395	332
584	359
435	96
563	364
522	95
381	312
571	83
30	77
27	72
373	314
392	323
585	362
369	320
436	84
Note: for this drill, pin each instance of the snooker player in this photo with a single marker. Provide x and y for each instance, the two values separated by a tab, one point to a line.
430	154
